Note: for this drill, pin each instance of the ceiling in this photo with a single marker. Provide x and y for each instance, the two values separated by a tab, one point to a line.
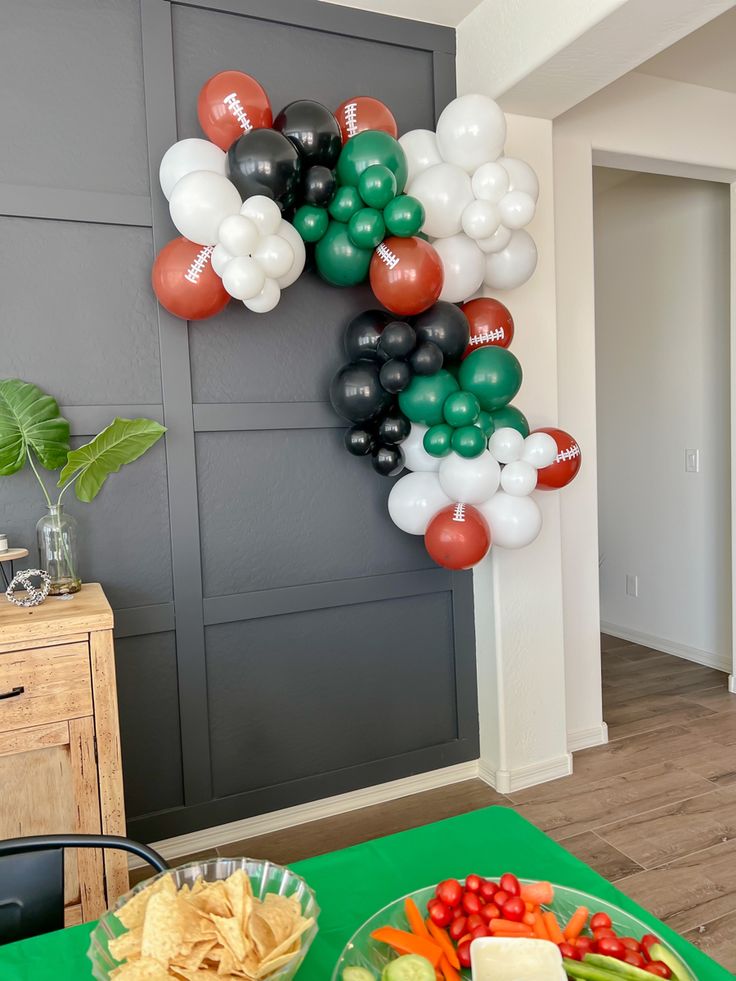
446	12
705	57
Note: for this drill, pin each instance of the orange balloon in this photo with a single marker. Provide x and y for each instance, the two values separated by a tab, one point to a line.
185	283
458	537
406	275
230	104
490	323
565	468
363	112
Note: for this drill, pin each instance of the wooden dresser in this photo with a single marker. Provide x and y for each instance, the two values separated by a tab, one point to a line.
59	739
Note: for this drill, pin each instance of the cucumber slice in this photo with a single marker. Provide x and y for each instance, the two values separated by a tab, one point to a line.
357	974
679	972
410	967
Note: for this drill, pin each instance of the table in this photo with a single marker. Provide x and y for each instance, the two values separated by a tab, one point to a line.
353	883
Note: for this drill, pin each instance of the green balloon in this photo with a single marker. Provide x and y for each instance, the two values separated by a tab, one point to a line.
485	422
404	216
366	228
511	417
311	222
493	375
422	400
370	147
468	441
345	204
438	440
461	409
377	186
338	260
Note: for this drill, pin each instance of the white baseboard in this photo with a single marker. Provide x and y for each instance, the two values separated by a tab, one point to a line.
585	738
732	683
290	817
508	781
718	661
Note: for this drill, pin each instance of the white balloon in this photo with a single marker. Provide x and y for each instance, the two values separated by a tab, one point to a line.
274	255
516	209
444	191
238	235
496	242
415	456
521	176
199	203
469	481
185	157
490	182
415	500
506	444
480	219
420	149
220	258
292	236
540	449
463	265
267	299
470	131
512	266
243	278
264	212
514	521
519	478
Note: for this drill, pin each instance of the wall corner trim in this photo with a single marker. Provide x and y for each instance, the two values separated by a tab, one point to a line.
585	738
508	781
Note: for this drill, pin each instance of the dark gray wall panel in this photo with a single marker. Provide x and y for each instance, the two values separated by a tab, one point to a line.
282	508
72	78
78	312
149	723
313	692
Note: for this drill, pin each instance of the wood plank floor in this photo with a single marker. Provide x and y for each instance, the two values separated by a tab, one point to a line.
653	811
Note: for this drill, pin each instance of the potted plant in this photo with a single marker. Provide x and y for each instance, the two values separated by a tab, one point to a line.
33	431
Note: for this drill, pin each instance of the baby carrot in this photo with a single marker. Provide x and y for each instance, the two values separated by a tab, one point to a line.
509	926
442	939
539	893
414	917
540	930
553	928
576	923
448	971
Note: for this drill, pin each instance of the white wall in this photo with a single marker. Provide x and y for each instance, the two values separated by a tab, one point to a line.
662	385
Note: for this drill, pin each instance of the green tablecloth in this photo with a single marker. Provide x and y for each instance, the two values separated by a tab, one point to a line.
352	884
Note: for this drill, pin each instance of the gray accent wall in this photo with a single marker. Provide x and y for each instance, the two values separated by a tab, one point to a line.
278	639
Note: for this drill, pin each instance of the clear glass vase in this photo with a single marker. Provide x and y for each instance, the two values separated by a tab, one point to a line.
56	534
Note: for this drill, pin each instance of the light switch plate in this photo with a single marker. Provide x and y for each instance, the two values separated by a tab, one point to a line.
692	461
632	585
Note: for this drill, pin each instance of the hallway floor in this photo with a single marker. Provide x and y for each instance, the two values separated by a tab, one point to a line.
653	811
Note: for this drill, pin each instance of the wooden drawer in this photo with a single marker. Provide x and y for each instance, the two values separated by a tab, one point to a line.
56	683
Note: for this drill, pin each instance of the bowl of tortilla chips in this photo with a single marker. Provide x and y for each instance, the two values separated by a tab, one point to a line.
233	919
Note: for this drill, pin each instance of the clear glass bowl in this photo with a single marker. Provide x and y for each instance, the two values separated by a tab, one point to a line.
264	876
362	951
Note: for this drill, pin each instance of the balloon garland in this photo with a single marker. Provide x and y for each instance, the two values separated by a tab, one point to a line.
429	219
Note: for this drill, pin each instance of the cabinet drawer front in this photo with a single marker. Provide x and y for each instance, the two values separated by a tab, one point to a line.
55	682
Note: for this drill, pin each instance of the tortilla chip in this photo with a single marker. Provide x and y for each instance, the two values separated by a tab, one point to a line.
211	898
144	969
127	946
131	915
162	928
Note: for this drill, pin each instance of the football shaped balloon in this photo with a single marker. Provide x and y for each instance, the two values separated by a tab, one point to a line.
363	112
566	464
230	104
406	275
490	323
185	283
458	537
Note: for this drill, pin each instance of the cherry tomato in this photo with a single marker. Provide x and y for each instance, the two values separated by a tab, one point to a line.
584	945
567	950
488	890
600	920
458	912
634	958
631	944
659	968
646	942
514	909
480	931
450	892
611	947
440	914
474	920
510	884
490	912
473	883
458	927
500	897
472	903
463	953
432	902
602	932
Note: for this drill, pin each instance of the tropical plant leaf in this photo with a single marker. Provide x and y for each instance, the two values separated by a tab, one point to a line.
30	418
123	441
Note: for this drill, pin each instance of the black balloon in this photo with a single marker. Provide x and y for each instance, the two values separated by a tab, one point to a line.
388	460
395	375
446	326
426	359
359	441
313	130
393	428
265	162
397	340
363	333
357	394
318	186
